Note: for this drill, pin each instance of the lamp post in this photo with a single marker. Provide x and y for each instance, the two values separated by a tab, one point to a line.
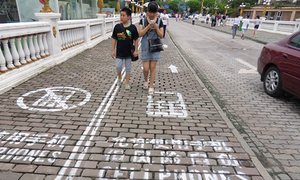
226	9
201	7
266	3
216	10
242	7
132	6
139	8
46	8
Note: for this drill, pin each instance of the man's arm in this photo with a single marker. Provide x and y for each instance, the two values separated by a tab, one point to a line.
114	44
136	46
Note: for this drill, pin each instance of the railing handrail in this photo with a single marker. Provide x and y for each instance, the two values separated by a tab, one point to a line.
20	29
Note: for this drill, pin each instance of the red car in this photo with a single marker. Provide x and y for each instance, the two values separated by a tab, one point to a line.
279	66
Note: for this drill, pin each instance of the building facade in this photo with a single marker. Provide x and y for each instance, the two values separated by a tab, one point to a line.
279	14
23	10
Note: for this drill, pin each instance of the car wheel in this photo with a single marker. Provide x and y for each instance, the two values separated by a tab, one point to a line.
272	82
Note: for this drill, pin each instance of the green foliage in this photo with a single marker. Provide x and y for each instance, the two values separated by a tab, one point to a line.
194	5
111	4
174	5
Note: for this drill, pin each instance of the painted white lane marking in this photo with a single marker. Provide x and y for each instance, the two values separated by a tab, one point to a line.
173	68
90	130
245	63
54	99
140	44
246	71
107	103
252	69
167	108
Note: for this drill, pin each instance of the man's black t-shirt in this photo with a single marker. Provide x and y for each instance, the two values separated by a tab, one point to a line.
124	43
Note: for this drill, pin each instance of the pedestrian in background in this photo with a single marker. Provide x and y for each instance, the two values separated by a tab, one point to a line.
213	20
256	25
207	18
165	19
194	19
245	26
235	26
224	20
123	37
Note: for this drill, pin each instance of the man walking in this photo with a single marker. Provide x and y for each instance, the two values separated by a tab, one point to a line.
235	26
245	26
165	19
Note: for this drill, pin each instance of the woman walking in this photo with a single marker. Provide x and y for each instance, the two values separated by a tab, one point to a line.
256	26
151	30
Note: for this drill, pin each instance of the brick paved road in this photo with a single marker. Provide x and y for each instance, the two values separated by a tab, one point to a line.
51	130
261	36
270	126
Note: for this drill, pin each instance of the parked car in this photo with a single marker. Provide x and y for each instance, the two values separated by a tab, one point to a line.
279	66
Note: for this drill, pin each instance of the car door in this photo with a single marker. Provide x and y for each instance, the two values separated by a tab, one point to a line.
291	63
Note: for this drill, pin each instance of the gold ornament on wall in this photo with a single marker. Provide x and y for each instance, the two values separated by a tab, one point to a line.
46	8
100	6
54	31
118	6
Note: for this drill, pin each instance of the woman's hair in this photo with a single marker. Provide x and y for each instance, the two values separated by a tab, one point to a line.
152	7
257	17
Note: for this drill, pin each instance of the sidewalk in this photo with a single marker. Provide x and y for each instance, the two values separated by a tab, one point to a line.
73	121
261	36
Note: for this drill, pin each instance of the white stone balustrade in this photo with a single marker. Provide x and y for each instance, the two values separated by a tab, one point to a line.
109	23
96	28
72	33
50	41
280	27
22	43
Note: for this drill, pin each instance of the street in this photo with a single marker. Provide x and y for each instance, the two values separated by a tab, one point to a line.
209	117
74	122
228	67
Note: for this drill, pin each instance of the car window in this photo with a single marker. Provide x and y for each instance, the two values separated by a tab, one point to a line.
295	41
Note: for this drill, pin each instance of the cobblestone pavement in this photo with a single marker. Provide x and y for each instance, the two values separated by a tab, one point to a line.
72	121
228	67
261	36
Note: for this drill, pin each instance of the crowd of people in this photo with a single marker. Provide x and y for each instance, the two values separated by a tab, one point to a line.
239	23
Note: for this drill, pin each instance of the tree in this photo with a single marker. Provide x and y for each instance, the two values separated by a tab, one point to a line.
173	4
194	5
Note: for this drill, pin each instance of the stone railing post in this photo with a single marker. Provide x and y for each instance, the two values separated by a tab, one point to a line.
297	26
275	26
87	33
103	27
53	37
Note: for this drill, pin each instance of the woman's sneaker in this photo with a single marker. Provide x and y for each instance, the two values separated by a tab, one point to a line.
151	91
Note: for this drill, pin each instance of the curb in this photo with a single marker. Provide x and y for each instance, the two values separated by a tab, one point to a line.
246	37
261	169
